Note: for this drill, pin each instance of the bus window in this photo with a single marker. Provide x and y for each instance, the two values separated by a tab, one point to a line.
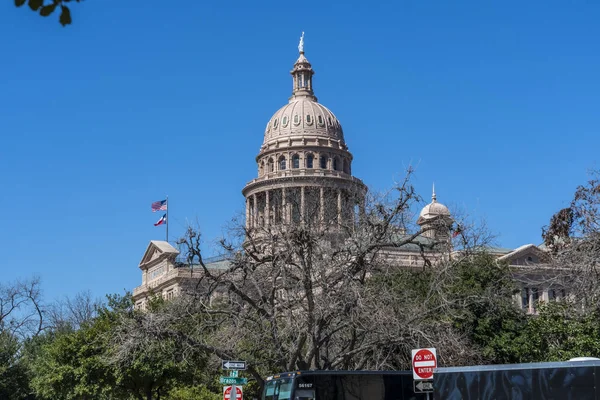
285	389
278	390
270	390
304	394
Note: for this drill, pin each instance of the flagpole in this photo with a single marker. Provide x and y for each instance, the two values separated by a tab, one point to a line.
167	219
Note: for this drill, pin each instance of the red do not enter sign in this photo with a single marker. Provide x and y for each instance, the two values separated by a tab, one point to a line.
423	363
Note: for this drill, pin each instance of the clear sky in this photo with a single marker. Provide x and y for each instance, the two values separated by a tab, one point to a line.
497	102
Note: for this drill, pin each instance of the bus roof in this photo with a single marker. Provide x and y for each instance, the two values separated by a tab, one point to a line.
505	367
290	374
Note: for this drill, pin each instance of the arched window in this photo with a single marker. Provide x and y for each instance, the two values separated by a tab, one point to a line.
323	162
295	161
271	165
320	120
262	168
309	120
335	164
284	121
296	119
281	163
346	166
309	160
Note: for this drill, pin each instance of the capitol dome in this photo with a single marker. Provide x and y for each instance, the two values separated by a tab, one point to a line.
303	117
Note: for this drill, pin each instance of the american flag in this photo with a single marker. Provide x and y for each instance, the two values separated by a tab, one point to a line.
159	205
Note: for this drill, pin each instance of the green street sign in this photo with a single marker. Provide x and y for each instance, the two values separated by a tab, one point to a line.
228	380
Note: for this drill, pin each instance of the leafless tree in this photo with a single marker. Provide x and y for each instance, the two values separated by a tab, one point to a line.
573	237
21	308
72	312
313	295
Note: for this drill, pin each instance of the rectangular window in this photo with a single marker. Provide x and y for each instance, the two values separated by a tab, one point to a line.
525	298
534	298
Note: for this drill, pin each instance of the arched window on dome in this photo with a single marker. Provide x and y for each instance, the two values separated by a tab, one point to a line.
346	166
296	119
335	163
320	120
295	161
309	160
261	169
284	121
323	162
282	163
271	165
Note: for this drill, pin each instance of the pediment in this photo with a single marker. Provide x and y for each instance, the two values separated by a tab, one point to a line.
156	251
526	255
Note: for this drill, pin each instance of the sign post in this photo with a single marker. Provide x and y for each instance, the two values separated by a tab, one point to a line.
423	363
233	392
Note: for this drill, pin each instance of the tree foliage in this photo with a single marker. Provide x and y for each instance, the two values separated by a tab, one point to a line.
46	8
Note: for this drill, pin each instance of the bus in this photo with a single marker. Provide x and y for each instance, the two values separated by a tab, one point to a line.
576	379
341	385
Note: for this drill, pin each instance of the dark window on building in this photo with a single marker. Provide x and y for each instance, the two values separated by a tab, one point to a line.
525	298
282	163
295	161
309	160
323	162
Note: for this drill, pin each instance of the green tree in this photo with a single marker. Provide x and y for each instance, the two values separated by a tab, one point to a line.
14	381
84	364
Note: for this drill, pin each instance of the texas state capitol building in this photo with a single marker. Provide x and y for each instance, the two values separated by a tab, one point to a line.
304	162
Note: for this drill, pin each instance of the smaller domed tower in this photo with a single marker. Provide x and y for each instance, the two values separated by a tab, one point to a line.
436	219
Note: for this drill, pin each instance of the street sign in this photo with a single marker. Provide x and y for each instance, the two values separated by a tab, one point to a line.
227	364
423	363
228	380
423	386
227	393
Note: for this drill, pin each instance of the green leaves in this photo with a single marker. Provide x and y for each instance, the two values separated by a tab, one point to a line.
35	4
47	9
65	16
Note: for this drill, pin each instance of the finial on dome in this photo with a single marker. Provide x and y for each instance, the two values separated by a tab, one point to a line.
301	44
433	196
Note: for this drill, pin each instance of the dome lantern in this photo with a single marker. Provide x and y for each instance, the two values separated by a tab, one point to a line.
302	76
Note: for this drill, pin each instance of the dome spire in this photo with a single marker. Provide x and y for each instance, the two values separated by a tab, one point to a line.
301	44
302	74
433	196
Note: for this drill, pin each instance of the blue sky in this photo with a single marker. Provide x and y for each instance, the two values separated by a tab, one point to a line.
497	102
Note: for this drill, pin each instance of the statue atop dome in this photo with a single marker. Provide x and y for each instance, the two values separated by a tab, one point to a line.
301	44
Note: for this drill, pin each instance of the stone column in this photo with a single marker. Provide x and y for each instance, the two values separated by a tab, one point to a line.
248	213
255	216
302	211
267	209
321	205
339	206
284	218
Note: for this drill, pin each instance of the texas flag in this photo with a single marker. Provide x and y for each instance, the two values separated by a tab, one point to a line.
162	220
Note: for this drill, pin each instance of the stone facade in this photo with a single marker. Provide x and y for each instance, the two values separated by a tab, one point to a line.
304	176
